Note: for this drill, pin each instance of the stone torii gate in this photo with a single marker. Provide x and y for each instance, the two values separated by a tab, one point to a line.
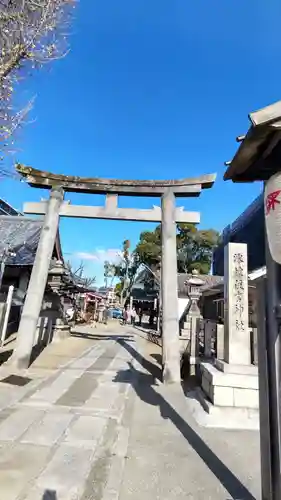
56	207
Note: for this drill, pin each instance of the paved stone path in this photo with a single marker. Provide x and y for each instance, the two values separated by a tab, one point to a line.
95	423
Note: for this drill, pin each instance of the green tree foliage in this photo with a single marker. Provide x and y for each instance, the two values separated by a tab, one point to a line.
118	289
194	248
109	273
148	248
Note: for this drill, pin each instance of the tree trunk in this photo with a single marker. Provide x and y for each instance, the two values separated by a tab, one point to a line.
12	63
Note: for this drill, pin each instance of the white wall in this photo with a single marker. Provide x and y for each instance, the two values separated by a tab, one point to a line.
182	305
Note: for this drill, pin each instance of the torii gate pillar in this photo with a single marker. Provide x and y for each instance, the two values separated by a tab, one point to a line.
169	291
38	280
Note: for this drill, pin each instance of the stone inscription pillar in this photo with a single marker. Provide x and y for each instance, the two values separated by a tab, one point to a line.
236	330
169	291
33	302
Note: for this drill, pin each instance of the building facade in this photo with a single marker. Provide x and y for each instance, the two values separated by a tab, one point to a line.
248	228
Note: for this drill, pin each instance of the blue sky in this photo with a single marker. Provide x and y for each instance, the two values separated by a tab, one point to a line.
150	89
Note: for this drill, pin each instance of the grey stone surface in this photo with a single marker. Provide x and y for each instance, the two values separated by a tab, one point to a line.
85	431
18	422
20	465
50	394
47	431
66	472
37	284
113	213
85	362
221	417
169	291
79	391
236	331
115	477
133	438
220	341
103	397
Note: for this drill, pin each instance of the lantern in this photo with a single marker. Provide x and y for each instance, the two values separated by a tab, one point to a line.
193	290
272	210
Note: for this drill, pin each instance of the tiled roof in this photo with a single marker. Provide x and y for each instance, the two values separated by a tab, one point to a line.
146	276
21	236
209	281
7	209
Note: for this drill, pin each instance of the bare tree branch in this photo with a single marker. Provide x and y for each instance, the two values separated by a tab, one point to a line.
32	33
78	274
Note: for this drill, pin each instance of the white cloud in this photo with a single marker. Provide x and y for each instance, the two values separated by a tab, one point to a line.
85	256
100	255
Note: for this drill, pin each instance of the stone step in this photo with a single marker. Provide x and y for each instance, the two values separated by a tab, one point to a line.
224	417
185	333
230	389
230	379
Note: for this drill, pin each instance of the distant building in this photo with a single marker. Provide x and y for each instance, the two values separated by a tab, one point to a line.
146	288
20	237
248	228
108	293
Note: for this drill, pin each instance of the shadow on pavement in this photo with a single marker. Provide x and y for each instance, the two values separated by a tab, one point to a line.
143	386
5	355
96	336
152	368
158	358
50	495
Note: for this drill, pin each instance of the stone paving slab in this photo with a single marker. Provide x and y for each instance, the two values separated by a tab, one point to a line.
115	476
79	391
20	465
85	431
18	423
48	430
101	426
218	464
65	474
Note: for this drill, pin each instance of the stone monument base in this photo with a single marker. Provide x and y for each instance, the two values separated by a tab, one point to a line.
60	332
230	392
221	417
51	328
231	385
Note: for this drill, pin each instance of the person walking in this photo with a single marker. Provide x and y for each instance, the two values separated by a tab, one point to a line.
129	315
140	314
133	316
101	308
105	314
124	316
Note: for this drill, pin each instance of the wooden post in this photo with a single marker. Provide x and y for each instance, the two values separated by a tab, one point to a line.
7	314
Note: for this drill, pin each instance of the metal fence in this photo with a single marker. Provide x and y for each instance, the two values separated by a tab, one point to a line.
211	341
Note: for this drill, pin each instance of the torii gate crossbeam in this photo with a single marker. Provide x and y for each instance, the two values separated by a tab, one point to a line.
111	212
